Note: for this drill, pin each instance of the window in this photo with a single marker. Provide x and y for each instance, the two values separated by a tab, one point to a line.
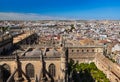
7	67
6	72
30	70
92	50
116	80
87	50
52	70
77	50
72	50
82	50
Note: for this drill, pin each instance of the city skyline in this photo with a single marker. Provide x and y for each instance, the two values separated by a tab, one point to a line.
63	10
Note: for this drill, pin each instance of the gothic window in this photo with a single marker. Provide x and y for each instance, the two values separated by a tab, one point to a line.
7	67
52	70
30	70
116	80
6	72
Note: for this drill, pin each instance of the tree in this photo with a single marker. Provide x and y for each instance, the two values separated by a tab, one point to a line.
86	72
4	29
72	27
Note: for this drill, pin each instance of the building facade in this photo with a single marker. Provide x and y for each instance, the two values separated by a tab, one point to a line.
44	66
38	63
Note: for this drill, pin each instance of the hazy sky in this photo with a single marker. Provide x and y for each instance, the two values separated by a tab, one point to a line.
76	9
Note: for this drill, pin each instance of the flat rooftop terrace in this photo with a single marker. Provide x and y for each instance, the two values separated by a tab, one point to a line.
21	37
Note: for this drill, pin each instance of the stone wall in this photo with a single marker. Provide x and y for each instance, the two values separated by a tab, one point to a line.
111	70
37	66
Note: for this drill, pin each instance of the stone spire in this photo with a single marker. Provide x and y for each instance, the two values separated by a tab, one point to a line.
42	76
63	65
36	79
18	75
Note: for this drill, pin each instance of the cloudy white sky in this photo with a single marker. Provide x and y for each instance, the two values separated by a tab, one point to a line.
26	16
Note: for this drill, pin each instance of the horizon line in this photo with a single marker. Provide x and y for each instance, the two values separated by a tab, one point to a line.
36	17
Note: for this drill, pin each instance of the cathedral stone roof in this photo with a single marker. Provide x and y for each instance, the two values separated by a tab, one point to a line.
35	53
52	52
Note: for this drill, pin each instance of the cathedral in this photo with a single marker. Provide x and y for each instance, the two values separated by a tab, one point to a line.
35	63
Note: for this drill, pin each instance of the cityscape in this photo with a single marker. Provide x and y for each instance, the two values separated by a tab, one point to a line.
57	42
